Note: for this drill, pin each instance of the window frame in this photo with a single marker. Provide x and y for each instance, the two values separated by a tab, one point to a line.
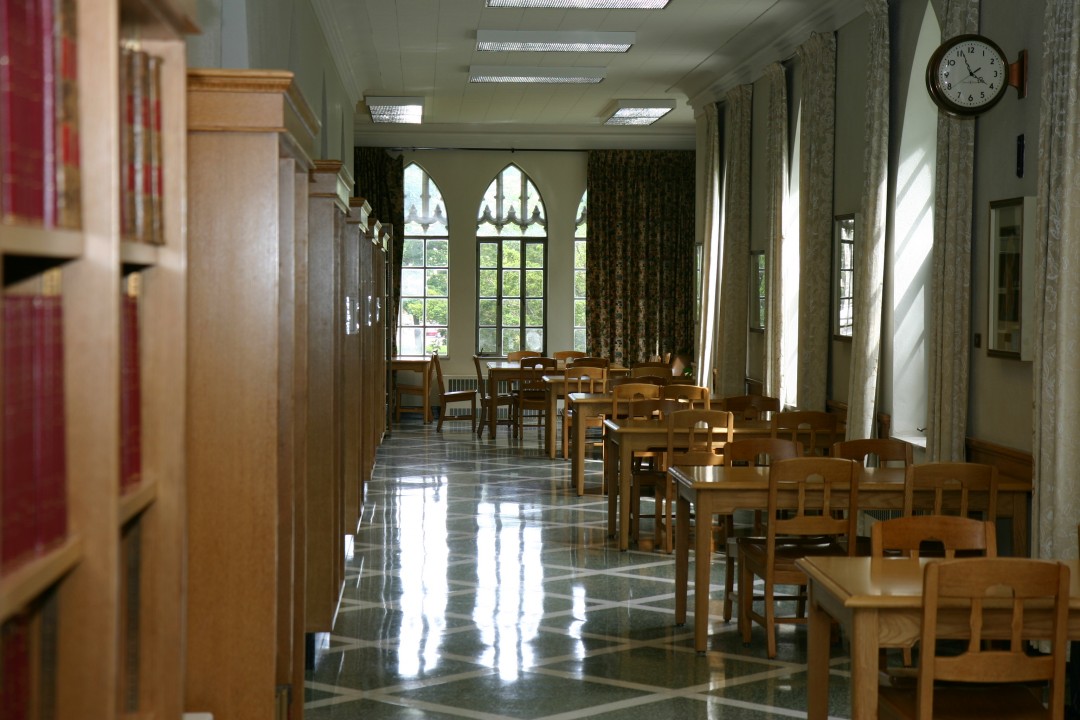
759	298
581	239
442	348
840	268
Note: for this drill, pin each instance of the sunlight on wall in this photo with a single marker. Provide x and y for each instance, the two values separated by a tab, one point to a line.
913	235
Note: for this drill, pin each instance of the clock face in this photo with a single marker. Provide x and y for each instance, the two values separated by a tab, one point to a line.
967	75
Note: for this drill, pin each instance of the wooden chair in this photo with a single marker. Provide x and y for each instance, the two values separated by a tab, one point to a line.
581	379
650	368
751	407
951	488
413	389
566	356
589	361
945	534
987	681
489	406
708	433
697	395
623	393
875	452
819	486
754	452
815	429
447	398
531	394
517	355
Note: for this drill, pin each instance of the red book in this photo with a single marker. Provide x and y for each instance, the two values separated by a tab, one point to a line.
15	669
22	130
17	495
50	451
154	143
130	395
127	145
67	173
139	78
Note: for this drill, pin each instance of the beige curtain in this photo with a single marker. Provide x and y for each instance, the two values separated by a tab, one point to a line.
1056	504
818	120
711	255
777	322
734	283
950	289
869	262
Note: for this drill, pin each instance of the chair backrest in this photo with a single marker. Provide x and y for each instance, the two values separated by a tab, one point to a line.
708	433
516	355
650	368
1013	587
481	384
622	394
875	452
951	488
585	379
760	451
697	395
567	354
751	407
533	369
438	372
589	361
826	499
653	379
944	534
650	408
814	428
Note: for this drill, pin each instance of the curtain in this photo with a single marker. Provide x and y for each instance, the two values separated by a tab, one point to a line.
950	299
710	246
380	179
780	265
640	271
869	261
1056	502
818	120
734	283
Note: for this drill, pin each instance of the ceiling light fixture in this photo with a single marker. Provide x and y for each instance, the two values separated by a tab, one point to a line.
524	74
639	112
582	4
395	109
545	41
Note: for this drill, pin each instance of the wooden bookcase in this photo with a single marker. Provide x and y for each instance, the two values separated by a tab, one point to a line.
355	419
250	137
79	593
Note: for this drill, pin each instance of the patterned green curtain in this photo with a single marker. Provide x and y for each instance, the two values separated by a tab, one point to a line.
640	273
380	179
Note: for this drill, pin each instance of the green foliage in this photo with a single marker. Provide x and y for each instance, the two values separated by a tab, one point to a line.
412	252
489	283
437	283
438	253
511	283
489	255
511	312
438	312
534	255
534	312
489	312
534	283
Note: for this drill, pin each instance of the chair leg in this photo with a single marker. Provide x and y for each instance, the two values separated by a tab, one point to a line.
770	620
442	416
746	593
732	549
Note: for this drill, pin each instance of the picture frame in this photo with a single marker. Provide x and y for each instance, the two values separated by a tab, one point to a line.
1011	282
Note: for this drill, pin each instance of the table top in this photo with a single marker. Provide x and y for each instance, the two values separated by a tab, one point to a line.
863	582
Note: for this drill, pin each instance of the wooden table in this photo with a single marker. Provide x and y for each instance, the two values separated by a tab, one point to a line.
879	604
500	371
582	406
721	491
421	365
555	385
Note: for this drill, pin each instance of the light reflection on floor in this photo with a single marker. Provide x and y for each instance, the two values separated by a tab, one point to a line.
480	586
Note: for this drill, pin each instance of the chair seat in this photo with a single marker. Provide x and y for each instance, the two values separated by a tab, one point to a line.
790	550
1001	702
458	395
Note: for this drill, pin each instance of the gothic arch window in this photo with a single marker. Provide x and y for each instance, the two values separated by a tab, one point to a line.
424	315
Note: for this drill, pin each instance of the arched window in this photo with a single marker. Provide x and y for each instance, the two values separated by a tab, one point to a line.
423	319
581	235
511	274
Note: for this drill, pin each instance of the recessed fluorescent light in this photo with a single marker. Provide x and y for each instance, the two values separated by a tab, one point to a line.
395	109
521	74
582	4
639	112
552	41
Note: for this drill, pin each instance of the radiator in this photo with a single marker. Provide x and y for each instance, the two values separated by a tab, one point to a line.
453	384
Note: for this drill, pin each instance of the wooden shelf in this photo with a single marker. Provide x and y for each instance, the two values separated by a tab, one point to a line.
27	582
136	500
135	256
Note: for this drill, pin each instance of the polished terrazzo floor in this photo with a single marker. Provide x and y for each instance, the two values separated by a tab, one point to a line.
480	586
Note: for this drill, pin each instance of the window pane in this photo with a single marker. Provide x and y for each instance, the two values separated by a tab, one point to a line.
489	255
534	255
511	282
511	253
534	312
437	312
534	283
437	283
411	341
489	283
511	314
435	341
489	312
412	282
412	311
579	283
412	253
534	339
487	340
579	314
438	253
511	340
579	339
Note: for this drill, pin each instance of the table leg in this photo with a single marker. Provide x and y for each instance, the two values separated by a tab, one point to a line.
493	392
682	557
549	421
817	660
864	663
702	568
625	470
577	468
426	384
611	484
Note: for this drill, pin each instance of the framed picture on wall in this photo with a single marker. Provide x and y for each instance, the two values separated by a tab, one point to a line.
1011	283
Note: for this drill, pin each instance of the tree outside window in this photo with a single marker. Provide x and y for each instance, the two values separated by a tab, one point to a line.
581	234
424	317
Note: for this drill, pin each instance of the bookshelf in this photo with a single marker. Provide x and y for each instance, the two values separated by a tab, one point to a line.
355	419
117	571
250	137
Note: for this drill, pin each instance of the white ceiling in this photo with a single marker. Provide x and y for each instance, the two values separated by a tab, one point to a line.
692	51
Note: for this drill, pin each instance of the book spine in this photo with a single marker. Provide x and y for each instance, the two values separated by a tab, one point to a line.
50	451
17	521
15	668
22	160
130	396
140	161
127	144
47	50
68	173
157	175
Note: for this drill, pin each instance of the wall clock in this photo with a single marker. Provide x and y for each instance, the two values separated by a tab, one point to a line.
968	75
